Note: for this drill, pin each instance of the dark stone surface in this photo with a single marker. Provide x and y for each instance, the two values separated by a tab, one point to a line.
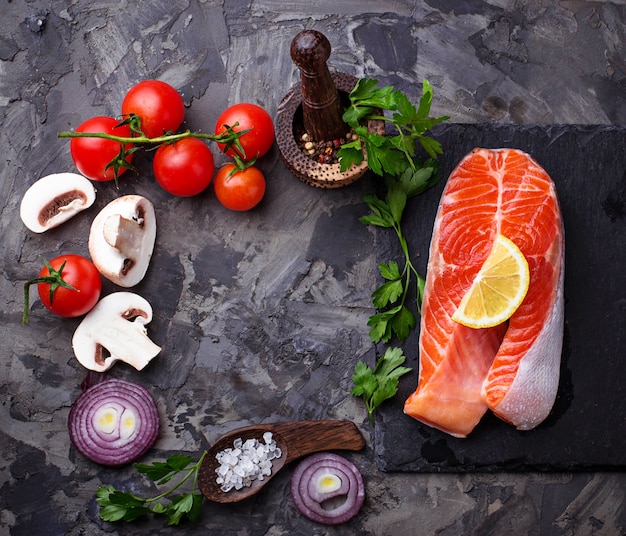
263	315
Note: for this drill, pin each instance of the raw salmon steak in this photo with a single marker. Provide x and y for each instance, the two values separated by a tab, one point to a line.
512	368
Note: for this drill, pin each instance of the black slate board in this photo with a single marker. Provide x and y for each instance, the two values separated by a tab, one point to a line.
587	427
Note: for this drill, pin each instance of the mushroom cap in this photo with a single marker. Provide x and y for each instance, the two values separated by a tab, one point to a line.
121	239
54	199
115	330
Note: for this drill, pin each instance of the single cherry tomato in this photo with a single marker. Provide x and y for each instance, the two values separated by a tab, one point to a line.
239	189
185	167
258	140
159	106
68	285
92	155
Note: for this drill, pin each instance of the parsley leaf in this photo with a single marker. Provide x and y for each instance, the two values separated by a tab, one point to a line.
163	472
387	292
380	383
350	154
118	505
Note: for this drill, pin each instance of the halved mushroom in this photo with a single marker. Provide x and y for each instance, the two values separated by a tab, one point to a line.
122	238
115	330
54	199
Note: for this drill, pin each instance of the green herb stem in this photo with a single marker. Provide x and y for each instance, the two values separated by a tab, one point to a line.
193	471
405	174
409	268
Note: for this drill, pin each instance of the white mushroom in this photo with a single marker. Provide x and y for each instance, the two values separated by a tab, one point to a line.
115	330
122	238
54	199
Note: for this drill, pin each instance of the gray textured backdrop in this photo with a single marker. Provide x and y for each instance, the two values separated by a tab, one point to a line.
262	315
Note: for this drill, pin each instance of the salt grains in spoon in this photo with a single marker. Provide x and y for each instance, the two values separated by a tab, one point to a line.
245	462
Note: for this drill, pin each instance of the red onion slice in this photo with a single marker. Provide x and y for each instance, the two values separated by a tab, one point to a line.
323	478
114	422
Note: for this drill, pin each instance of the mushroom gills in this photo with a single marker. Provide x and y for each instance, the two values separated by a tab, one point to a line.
54	199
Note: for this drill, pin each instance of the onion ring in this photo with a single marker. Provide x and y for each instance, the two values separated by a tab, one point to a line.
114	422
321	478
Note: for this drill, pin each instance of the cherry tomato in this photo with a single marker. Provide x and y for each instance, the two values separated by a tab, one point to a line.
80	273
92	155
185	167
258	140
159	106
241	189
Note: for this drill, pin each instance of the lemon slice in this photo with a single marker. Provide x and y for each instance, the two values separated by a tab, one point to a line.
499	288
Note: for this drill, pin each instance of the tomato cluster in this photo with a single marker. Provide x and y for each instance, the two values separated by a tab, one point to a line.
102	149
152	113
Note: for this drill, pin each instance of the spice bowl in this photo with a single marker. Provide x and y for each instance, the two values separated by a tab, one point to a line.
289	122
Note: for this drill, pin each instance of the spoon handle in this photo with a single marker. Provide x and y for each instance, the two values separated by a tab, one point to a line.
307	437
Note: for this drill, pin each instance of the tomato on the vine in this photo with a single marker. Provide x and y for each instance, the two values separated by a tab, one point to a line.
260	137
239	189
68	285
92	155
185	167
159	106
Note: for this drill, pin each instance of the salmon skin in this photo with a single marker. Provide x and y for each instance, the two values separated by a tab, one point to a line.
513	368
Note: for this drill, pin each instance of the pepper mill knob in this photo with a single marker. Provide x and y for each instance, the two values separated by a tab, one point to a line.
321	105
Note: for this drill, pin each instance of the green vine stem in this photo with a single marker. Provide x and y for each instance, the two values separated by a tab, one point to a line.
228	136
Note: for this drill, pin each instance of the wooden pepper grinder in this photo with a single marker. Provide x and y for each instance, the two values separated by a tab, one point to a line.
321	105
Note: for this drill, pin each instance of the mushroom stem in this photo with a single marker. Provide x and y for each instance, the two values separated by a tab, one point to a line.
120	232
121	239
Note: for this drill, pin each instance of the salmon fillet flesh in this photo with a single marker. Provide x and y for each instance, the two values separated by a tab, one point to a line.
513	368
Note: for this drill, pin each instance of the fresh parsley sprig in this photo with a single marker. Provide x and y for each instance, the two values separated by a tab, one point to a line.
388	154
390	299
380	383
405	174
118	505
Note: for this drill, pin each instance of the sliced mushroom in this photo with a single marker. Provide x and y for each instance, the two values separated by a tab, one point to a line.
54	199
122	238
115	330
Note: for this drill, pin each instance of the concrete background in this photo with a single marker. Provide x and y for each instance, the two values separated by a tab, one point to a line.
262	315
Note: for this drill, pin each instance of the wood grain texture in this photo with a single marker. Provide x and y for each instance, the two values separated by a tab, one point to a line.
295	439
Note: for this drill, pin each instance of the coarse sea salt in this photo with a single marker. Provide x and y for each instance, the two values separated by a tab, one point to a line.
246	462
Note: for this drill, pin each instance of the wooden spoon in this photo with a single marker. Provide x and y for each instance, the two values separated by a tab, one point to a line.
295	439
